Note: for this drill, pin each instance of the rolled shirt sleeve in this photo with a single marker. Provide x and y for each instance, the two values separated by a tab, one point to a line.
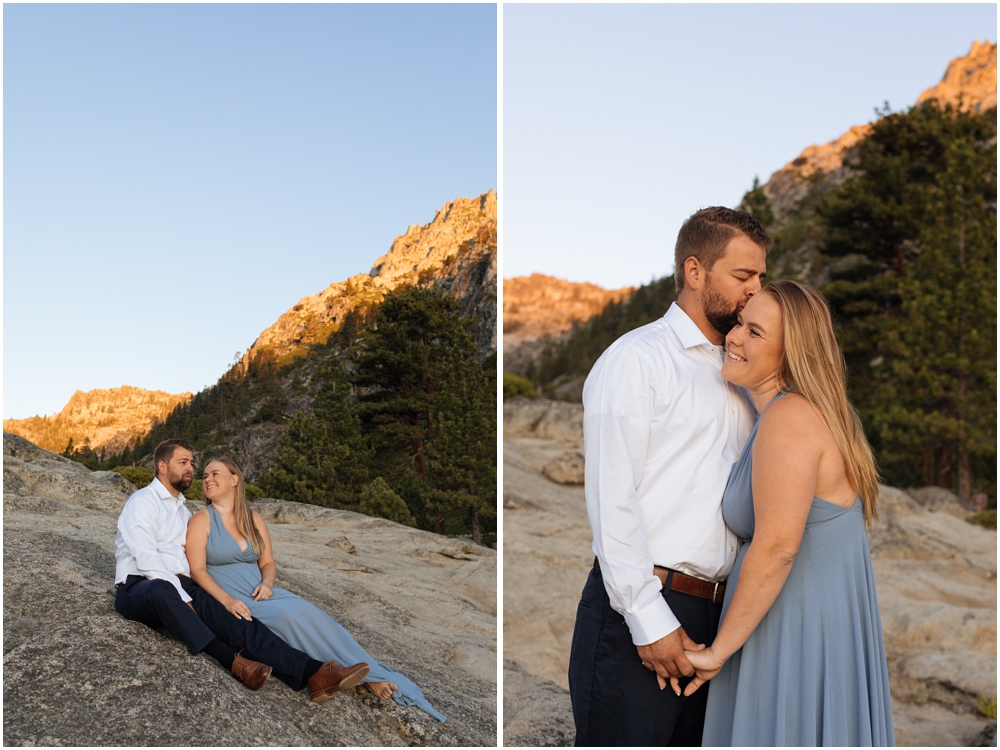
138	524
619	398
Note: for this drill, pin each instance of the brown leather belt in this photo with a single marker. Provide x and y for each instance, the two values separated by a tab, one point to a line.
677	581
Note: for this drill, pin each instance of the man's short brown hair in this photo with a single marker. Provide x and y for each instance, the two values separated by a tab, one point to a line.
165	451
705	234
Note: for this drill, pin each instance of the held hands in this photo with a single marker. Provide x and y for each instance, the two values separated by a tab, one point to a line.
669	657
263	591
237	609
706	665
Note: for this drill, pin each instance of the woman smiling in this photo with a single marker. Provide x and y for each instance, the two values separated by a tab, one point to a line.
799	658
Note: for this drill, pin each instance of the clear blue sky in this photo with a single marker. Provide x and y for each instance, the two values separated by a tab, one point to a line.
620	121
177	176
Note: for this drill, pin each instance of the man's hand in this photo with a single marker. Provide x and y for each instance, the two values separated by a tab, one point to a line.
666	656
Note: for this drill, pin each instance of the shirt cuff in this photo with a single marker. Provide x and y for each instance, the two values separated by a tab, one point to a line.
652	622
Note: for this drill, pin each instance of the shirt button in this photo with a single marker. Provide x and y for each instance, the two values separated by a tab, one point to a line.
733	411
737	455
732	549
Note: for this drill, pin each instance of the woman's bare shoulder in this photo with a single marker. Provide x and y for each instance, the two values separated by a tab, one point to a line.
791	417
199	519
258	519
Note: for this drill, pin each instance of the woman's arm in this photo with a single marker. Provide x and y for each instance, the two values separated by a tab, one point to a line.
265	562
786	457
194	548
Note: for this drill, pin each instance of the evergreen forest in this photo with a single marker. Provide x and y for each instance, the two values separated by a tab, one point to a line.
905	250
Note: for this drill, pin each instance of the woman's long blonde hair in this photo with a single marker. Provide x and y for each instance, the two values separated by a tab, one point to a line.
812	365
244	518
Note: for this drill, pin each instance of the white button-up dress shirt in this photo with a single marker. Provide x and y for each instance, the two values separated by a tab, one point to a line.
152	529
661	432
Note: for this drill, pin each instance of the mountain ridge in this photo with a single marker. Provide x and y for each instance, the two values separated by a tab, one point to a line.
106	419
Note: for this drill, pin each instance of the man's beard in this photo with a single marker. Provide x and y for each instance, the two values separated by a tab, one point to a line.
722	315
179	482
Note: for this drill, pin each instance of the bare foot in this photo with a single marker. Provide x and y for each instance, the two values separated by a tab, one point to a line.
382	690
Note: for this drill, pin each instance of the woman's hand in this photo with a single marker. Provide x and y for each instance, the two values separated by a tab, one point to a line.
237	609
706	665
263	591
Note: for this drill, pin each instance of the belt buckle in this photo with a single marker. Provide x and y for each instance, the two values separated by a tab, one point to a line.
715	592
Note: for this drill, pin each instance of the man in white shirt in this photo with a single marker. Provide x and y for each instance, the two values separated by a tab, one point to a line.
661	432
155	588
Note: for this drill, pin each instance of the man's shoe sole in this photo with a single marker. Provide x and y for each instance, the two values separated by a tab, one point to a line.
352	680
263	682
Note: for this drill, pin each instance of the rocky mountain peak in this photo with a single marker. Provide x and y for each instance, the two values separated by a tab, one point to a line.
428	247
969	84
456	252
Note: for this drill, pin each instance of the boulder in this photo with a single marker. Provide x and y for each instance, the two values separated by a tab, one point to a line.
940	500
77	673
344	544
566	468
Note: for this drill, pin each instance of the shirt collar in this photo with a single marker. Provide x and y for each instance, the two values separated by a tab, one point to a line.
685	328
163	493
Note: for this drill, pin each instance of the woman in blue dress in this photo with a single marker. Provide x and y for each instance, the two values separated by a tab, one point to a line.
229	550
799	658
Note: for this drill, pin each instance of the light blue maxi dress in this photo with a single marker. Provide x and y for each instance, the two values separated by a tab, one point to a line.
300	624
813	673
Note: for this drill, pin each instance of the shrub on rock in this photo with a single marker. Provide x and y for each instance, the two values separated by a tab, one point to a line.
378	500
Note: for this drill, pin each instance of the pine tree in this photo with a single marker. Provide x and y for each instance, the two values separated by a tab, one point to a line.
412	347
395	368
462	448
941	401
756	203
322	458
890	216
378	500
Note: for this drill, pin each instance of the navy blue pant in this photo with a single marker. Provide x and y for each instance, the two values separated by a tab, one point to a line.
155	602
616	700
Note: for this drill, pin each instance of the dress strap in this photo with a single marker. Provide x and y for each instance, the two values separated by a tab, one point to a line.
780	394
214	515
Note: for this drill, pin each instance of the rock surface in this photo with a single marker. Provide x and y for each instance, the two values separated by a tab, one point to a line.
536	712
936	577
970	82
77	673
107	418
